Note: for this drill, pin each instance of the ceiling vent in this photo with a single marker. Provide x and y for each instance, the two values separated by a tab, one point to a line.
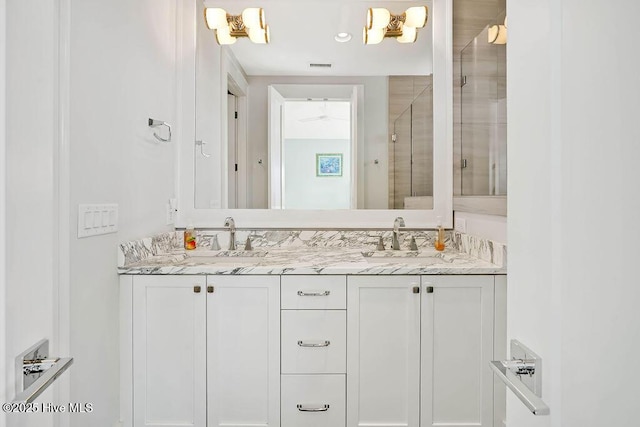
320	65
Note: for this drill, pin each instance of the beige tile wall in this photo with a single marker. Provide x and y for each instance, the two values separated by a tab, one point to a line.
470	17
403	91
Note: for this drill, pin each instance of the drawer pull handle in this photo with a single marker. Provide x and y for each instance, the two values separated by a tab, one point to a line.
314	294
303	408
314	344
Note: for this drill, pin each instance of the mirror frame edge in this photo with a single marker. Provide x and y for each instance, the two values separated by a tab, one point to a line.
442	15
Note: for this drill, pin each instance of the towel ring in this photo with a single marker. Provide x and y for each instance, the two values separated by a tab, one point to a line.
153	123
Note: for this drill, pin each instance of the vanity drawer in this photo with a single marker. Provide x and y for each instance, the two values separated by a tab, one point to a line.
313	401
314	292
314	341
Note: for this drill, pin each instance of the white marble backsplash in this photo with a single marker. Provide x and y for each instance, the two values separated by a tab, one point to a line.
365	240
484	249
139	250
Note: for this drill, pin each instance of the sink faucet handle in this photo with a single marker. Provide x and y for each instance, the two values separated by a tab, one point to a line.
380	246
229	222
247	244
413	246
215	245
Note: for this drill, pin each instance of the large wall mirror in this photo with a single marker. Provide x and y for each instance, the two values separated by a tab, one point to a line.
310	128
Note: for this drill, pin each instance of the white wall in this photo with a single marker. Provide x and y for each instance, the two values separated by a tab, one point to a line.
210	102
303	189
123	71
493	227
375	100
30	179
573	202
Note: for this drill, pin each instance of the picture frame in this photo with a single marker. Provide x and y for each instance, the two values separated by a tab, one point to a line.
328	164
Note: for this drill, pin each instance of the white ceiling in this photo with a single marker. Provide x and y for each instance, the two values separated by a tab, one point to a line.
302	32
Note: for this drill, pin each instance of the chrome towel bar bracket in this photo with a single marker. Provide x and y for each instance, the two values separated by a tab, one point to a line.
36	370
523	375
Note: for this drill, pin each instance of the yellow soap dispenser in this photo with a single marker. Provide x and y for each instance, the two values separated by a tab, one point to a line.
439	240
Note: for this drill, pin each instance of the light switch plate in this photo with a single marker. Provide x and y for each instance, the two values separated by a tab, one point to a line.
97	219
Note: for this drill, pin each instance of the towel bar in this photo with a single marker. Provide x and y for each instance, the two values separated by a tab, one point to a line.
523	376
36	370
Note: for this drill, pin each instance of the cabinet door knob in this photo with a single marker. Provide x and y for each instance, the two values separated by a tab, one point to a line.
197	289
429	289
416	289
210	289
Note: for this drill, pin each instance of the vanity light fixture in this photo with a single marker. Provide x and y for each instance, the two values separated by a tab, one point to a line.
497	34
250	23
404	27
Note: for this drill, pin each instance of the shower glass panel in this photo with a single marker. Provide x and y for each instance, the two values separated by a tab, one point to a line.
484	117
413	154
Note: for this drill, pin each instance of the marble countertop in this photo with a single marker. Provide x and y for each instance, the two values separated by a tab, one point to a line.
299	260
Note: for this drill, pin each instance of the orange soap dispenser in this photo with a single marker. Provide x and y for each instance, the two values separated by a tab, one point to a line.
190	238
439	240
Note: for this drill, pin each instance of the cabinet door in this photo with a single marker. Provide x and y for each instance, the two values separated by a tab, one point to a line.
383	351
169	351
457	345
243	351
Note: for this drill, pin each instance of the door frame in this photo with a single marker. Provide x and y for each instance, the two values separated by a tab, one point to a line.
62	209
3	196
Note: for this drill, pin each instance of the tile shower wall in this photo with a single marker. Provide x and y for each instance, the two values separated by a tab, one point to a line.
416	125
480	120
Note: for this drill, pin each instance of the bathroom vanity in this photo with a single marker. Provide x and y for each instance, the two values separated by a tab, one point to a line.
299	336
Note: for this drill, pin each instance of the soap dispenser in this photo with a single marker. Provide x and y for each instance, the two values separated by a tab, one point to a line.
439	240
190	238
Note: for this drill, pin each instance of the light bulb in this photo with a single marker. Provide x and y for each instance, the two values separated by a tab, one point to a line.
373	36
409	35
215	18
258	35
497	34
416	16
223	36
253	17
378	17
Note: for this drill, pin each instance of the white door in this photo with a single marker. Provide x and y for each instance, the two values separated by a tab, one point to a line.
243	351
275	181
169	351
232	149
383	351
457	346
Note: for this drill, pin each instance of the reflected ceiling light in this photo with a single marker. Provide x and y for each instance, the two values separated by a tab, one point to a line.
381	23
250	23
342	37
497	34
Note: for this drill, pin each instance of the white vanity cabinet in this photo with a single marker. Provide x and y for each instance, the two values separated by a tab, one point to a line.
419	350
314	351
383	351
200	351
243	351
165	350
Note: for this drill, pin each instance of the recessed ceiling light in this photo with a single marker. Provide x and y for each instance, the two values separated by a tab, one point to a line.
342	37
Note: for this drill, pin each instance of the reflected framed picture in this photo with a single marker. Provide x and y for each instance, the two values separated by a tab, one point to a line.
329	164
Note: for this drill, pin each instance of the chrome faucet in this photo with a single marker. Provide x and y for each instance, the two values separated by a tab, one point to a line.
229	222
399	222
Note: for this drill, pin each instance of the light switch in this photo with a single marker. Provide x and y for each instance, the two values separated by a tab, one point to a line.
88	220
97	219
